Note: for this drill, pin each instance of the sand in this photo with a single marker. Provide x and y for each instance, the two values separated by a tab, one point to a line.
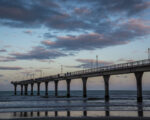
82	118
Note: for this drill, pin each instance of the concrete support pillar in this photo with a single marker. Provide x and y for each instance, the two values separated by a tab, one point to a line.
38	113
21	90
31	114
84	113
68	113
38	88
56	88
68	87
32	84
46	113
25	114
46	88
15	89
84	80
26	89
106	81
138	76
56	113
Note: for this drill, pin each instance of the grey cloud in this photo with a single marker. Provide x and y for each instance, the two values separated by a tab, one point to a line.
10	68
35	14
125	60
38	53
90	63
1	75
3	50
7	59
48	35
58	15
125	33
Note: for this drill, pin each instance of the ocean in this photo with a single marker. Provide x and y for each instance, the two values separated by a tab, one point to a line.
121	104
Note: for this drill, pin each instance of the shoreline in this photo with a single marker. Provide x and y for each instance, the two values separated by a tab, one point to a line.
81	118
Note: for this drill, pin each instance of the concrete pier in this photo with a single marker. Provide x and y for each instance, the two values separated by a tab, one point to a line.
106	82
138	76
56	88
68	87
21	93
136	67
26	89
32	84
38	88
46	88
84	81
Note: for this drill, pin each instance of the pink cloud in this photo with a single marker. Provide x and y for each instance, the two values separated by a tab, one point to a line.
28	32
48	42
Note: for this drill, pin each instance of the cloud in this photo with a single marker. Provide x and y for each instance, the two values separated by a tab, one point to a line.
38	53
130	7
90	14
48	35
35	14
10	68
7	59
25	12
1	75
82	10
125	60
126	32
28	32
90	63
3	50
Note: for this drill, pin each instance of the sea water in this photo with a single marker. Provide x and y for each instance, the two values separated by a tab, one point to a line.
121	103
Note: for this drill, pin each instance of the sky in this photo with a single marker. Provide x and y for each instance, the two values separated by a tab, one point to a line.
46	37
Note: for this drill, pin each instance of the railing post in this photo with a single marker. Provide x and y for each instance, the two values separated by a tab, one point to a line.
138	76
106	81
26	89
84	80
46	88
68	87
38	88
21	89
32	88
56	88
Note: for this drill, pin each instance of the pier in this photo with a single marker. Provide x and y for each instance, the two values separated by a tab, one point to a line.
136	67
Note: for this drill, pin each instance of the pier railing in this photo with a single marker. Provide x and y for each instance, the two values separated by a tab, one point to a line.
110	67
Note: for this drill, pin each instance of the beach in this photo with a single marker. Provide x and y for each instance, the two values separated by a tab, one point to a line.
121	106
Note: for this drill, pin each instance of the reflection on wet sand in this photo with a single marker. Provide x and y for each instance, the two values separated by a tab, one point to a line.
107	112
140	110
106	108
